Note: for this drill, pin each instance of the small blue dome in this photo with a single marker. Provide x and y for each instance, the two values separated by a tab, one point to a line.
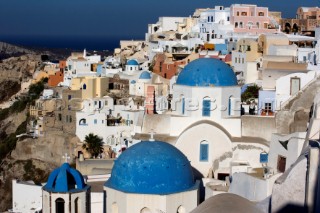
152	168
132	62
65	179
206	72
133	82
145	75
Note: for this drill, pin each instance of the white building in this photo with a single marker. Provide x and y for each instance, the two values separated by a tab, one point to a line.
111	122
79	66
204	118
26	197
214	25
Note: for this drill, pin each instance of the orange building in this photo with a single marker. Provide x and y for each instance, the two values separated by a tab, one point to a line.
307	19
167	66
62	65
55	79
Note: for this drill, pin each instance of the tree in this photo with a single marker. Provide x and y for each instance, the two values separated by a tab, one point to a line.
251	92
93	144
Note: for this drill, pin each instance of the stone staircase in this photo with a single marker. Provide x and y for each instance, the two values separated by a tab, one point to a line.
294	113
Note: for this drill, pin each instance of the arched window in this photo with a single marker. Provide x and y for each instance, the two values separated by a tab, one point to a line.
230	105
60	205
241	25
145	210
211	18
236	25
114	208
181	209
204	151
84	86
206	107
76	205
183	104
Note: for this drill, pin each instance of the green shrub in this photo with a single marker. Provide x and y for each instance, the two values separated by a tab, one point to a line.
250	93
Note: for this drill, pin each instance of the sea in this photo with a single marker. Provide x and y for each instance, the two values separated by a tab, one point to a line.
98	43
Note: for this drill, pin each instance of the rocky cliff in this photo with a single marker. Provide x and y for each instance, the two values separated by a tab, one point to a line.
8	49
24	158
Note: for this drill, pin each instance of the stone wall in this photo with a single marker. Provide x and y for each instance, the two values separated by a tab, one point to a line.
258	126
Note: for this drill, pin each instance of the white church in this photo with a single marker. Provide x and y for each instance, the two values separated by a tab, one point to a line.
204	120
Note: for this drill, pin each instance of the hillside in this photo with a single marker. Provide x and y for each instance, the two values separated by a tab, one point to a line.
24	158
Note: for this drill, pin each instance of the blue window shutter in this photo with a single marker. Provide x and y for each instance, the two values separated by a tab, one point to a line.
206	105
204	152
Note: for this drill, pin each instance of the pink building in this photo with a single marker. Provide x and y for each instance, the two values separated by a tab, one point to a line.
149	103
251	19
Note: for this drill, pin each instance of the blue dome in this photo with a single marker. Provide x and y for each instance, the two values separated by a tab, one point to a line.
65	179
205	72
152	168
133	82
145	75
132	62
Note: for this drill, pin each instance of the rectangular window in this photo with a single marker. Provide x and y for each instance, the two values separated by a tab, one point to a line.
243	60
294	85
204	152
106	103
267	107
69	97
206	105
95	121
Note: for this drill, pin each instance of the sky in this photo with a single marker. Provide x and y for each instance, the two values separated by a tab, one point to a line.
108	18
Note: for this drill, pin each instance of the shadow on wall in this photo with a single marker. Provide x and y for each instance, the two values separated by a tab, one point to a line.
293	208
198	176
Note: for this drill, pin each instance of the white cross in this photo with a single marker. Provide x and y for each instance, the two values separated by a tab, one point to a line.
66	157
151	135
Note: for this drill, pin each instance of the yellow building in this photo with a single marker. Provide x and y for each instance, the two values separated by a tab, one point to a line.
49	69
250	47
91	87
265	40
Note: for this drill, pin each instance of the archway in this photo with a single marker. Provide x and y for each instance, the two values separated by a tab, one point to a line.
181	209
295	28
145	210
59	205
287	28
77	207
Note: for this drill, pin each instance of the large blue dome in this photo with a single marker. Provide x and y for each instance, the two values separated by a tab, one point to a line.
145	75
132	62
205	72
152	168
65	179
